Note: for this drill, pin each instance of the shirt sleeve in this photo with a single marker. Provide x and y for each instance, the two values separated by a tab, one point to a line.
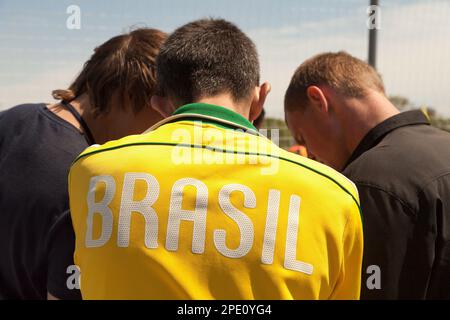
61	246
348	286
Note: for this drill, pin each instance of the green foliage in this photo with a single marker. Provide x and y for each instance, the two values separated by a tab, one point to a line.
403	104
400	102
285	138
440	122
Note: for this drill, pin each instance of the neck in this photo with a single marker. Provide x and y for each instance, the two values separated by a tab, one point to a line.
98	126
364	115
226	101
102	127
114	124
82	105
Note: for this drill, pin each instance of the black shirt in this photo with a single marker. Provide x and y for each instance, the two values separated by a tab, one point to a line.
36	150
402	171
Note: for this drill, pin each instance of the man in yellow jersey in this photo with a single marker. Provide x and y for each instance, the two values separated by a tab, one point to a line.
202	206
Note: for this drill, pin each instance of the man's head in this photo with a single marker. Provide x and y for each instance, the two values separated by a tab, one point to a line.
333	100
207	59
119	80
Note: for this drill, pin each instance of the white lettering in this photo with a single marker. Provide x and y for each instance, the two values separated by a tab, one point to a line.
270	232
144	207
101	208
290	259
197	216
244	223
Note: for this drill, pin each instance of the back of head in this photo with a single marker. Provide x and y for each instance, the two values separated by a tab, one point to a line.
206	58
340	71
121	70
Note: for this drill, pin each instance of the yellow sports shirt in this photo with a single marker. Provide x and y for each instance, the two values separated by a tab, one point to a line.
203	207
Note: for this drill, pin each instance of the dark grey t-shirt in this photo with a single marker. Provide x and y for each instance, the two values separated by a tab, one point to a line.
36	151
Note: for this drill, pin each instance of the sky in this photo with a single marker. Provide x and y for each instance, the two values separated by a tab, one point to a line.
38	53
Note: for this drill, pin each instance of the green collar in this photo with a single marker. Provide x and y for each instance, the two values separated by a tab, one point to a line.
215	112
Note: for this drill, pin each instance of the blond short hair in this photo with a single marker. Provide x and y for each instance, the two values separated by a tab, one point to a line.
342	72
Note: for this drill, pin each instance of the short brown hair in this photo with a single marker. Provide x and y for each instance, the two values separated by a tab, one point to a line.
344	73
122	68
205	58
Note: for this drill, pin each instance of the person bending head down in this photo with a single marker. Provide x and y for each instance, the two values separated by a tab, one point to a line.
113	90
398	162
110	98
210	61
333	100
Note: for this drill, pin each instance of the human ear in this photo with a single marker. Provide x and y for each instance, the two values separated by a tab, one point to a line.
317	98
258	100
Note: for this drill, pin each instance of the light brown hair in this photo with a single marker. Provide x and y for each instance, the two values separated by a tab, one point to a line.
342	72
122	68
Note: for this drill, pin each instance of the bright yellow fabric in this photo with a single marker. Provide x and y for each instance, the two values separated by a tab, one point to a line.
329	235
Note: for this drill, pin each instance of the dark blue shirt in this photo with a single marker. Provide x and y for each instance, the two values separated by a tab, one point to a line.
36	150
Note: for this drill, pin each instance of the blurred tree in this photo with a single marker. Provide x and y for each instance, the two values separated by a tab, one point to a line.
285	138
437	120
403	104
400	102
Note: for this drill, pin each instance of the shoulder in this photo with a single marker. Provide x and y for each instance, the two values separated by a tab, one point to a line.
375	164
113	154
387	172
402	165
28	129
97	150
338	184
21	111
408	157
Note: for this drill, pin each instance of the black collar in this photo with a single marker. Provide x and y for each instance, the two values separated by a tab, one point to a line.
375	135
86	131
